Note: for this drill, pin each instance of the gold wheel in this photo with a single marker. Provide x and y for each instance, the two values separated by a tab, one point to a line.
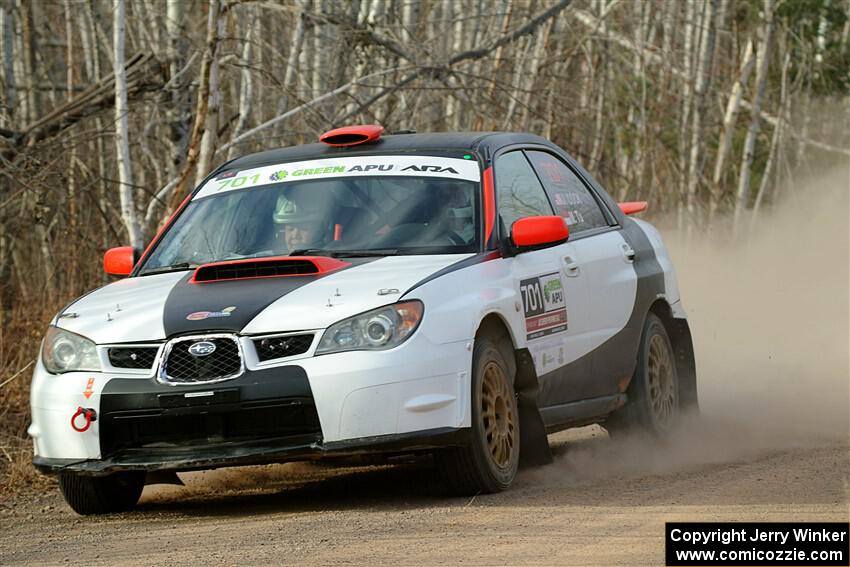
498	415
662	385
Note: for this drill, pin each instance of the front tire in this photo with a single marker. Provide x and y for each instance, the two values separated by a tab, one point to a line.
489	464
88	495
652	402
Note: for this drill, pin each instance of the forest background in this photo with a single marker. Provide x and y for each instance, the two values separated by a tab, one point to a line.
112	110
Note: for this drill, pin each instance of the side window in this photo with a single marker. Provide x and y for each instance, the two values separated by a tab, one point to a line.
569	195
518	190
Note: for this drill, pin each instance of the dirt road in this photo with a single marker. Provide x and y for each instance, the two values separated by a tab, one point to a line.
603	502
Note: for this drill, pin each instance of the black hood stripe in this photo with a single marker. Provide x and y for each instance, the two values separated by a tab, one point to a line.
229	305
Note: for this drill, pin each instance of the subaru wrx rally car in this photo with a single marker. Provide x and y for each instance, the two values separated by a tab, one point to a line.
456	294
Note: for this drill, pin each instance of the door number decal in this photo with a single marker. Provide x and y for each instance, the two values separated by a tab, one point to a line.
544	305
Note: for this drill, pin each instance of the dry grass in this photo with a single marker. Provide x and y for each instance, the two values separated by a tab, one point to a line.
21	330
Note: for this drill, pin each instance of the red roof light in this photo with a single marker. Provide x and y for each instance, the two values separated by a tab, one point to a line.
633	207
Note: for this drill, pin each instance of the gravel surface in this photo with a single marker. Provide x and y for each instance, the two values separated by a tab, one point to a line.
602	502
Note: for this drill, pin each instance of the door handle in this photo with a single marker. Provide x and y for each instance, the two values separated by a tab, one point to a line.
628	253
571	267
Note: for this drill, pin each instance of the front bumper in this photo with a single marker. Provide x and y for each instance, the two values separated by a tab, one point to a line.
304	409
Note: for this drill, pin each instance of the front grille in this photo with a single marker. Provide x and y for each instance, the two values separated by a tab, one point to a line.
270	348
132	357
181	366
255	269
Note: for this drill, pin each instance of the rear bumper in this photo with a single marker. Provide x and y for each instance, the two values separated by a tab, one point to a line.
255	453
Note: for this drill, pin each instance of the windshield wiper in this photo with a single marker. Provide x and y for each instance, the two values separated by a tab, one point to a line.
308	252
346	253
172	268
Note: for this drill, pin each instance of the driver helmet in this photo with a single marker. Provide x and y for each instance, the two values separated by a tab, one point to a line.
455	197
308	208
302	205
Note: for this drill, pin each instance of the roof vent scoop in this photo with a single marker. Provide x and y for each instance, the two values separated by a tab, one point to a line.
352	135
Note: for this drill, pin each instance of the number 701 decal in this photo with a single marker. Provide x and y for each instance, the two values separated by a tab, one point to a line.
236	182
544	305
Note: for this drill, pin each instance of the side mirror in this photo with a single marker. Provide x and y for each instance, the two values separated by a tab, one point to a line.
119	261
537	232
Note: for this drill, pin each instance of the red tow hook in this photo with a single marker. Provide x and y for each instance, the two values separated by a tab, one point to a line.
88	413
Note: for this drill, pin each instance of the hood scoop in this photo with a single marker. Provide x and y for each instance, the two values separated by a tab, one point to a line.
276	267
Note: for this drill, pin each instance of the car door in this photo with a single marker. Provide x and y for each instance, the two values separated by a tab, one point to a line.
553	296
605	259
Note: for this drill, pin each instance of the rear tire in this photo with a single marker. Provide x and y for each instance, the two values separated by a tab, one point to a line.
88	495
652	404
489	463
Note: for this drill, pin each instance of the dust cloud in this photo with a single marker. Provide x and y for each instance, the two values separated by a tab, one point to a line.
769	317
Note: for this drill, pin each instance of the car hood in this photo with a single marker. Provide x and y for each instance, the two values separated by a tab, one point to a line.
159	306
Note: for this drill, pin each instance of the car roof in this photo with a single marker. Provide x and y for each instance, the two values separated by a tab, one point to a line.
484	142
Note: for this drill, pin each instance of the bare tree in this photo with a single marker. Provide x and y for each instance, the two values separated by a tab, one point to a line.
122	140
764	51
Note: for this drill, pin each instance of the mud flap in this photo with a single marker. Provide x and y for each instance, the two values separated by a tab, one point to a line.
163	477
534	445
680	336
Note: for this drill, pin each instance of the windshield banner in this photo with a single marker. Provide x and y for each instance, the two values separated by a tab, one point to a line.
361	166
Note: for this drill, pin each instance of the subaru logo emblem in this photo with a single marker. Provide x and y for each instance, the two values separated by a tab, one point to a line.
202	348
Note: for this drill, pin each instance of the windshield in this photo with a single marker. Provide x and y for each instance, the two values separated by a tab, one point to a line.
366	206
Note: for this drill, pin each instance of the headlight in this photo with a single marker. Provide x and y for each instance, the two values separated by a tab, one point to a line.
379	329
64	351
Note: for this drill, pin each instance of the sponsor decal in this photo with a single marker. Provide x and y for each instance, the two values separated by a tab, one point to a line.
372	167
317	171
397	165
548	353
553	171
89	388
567	205
544	306
430	168
237	182
201	315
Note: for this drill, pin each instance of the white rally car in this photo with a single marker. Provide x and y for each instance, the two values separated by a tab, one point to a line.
461	294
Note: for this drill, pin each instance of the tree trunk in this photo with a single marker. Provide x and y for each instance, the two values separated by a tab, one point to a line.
686	103
30	46
703	81
177	110
122	141
541	47
775	142
743	195
246	84
732	106
177	187
210	135
8	62
72	158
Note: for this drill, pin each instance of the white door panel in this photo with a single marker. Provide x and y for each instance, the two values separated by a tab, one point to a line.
612	284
